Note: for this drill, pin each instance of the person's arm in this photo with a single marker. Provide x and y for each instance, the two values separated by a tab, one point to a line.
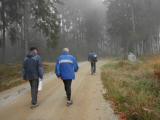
40	68
23	69
89	57
76	67
57	69
96	58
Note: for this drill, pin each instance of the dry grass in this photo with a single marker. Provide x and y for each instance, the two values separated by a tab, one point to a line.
11	75
133	88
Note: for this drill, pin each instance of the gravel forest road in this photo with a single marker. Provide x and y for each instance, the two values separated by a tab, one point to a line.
87	95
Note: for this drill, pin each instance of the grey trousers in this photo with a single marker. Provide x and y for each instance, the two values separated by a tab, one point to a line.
34	90
93	67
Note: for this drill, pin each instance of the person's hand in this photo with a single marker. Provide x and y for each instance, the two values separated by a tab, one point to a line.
59	78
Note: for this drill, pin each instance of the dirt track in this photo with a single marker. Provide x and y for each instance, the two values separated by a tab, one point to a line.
86	94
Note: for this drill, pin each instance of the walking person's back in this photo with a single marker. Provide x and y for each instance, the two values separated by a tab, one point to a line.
32	71
92	58
66	66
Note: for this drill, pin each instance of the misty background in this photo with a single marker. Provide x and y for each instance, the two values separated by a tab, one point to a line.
108	27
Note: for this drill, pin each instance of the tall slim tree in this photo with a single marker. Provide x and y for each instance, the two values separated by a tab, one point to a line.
8	15
133	25
45	19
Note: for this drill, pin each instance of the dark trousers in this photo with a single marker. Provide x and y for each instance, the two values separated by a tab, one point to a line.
67	87
93	67
34	90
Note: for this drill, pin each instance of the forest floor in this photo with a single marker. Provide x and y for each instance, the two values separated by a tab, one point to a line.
87	95
134	88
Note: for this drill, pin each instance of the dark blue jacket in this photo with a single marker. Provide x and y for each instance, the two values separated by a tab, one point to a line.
92	57
32	67
66	66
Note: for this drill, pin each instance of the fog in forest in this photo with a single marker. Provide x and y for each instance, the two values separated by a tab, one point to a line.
106	50
108	27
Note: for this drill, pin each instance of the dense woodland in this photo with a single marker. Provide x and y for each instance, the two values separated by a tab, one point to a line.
108	27
49	25
24	24
82	27
134	26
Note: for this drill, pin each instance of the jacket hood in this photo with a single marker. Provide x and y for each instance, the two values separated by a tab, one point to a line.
31	54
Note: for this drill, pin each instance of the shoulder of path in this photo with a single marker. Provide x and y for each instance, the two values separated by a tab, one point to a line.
12	94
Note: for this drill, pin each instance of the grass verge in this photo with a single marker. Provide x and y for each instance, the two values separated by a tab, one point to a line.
11	75
134	89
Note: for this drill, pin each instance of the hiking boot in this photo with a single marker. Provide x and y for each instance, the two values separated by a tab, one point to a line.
70	102
34	105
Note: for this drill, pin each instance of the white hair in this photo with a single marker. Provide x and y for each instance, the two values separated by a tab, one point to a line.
65	49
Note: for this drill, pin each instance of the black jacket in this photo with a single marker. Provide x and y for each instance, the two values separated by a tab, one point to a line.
92	57
32	67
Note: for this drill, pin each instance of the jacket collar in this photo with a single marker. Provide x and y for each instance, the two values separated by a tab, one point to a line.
65	53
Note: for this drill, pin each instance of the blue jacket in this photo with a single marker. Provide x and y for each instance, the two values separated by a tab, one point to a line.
32	67
66	66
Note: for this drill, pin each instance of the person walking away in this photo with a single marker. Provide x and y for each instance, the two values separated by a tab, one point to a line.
65	69
32	72
92	58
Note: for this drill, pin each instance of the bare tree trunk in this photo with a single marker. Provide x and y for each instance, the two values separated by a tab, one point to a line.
25	26
133	16
4	32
